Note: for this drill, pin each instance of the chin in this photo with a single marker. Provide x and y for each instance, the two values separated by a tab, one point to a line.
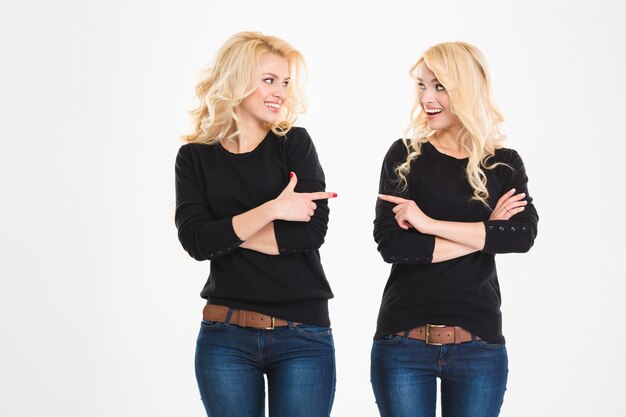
273	119
266	120
439	125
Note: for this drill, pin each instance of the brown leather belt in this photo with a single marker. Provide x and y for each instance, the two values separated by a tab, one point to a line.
436	334
242	318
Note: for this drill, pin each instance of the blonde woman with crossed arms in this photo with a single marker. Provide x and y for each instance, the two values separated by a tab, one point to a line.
451	198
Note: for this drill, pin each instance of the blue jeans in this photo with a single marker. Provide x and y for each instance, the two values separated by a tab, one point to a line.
404	376
299	361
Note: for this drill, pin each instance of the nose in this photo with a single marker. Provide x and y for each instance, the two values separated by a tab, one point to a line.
428	96
279	91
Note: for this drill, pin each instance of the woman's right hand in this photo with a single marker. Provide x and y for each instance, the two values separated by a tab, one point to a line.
508	205
297	207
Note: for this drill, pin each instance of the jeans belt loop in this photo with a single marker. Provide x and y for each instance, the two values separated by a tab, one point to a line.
229	315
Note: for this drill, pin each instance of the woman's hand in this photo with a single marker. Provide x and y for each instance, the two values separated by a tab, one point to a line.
297	207
408	214
508	205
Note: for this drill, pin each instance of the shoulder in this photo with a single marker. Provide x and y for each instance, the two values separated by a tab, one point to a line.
398	151
296	136
297	140
191	154
194	148
511	166
298	132
508	156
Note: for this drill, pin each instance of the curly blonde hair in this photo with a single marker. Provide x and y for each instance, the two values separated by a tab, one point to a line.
462	70
232	77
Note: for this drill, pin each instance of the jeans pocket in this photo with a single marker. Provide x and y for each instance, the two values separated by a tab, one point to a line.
313	330
490	345
207	324
388	339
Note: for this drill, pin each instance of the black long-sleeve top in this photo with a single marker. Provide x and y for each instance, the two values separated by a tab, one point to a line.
463	291
214	185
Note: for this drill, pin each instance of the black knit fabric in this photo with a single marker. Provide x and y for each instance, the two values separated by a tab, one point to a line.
463	291
213	185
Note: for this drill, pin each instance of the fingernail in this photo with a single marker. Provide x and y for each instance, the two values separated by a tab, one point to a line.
334	194
290	174
512	190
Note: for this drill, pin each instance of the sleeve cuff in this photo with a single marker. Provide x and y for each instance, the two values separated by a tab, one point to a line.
223	229
417	251
501	235
290	239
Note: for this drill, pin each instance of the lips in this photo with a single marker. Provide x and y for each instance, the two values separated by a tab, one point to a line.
272	106
432	112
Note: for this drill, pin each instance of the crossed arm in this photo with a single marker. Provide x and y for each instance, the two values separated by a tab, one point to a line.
452	239
256	226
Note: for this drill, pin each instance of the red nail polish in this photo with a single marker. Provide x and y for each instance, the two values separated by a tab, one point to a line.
290	174
334	194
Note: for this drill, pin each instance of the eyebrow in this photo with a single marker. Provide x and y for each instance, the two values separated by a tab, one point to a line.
434	80
275	76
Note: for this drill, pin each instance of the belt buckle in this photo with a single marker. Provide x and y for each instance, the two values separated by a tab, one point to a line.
427	338
272	324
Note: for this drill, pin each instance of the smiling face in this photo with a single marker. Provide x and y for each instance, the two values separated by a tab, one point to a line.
435	101
272	89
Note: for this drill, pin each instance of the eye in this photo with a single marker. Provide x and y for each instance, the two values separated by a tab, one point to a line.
421	86
285	83
268	80
440	87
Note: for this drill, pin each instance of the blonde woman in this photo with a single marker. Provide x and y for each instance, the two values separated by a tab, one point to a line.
250	199
451	198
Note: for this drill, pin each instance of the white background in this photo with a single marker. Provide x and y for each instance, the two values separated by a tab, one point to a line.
99	304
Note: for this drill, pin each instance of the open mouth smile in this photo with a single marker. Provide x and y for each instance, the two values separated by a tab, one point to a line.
273	107
431	113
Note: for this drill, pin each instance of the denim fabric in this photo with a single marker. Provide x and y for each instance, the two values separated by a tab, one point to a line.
404	376
299	361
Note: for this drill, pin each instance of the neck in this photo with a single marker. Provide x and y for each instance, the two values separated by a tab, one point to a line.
448	142
249	136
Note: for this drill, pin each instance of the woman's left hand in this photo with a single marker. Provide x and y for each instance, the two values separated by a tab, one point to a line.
408	214
508	205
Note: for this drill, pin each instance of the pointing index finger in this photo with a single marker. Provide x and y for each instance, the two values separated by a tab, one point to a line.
392	198
320	195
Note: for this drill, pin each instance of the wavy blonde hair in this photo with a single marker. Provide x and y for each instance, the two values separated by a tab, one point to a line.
462	70
232	77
